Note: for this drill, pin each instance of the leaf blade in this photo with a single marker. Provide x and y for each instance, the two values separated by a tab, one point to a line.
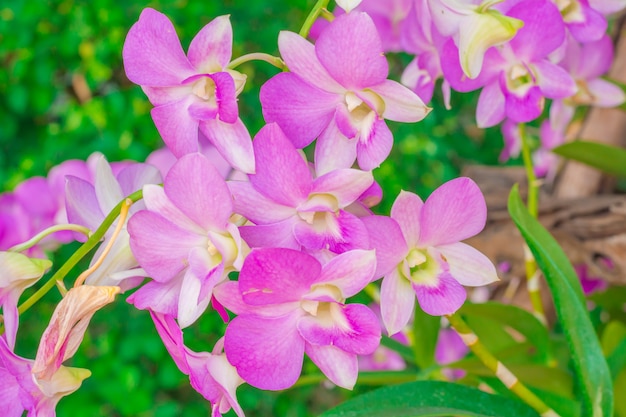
609	159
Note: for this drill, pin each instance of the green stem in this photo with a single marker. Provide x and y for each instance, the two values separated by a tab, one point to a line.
501	372
312	17
79	254
50	230
258	56
532	274
365	378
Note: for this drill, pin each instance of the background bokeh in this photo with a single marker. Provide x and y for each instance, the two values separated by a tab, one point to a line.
64	95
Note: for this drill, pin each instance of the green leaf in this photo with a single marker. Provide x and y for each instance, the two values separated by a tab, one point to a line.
515	318
430	398
609	159
594	378
425	334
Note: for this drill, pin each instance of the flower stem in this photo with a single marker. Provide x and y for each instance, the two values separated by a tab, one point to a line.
532	272
502	372
80	253
47	232
312	17
258	56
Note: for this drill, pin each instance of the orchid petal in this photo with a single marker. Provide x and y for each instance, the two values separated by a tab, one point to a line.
605	93
176	126
211	49
256	207
397	300
158	297
468	266
232	141
386	237
553	80
401	104
346	185
444	298
339	366
525	108
543	30
375	146
406	210
82	204
490	109
333	150
350	271
272	235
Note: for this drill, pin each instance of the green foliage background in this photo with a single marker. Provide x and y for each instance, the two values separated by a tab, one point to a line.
48	49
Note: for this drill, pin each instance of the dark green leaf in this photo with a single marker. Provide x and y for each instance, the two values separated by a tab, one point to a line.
425	334
606	158
594	378
430	398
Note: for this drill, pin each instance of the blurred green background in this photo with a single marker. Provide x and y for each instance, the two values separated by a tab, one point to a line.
64	95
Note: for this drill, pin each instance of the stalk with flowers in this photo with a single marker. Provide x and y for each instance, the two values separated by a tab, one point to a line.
287	250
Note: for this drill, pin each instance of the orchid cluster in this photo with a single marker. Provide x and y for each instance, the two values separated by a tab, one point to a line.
276	244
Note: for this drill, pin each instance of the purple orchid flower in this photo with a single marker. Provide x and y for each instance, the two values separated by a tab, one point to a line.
21	391
518	76
209	373
290	208
341	84
584	22
419	252
89	203
193	91
184	240
450	348
287	305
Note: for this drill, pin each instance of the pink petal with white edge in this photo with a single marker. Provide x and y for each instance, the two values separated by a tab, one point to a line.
108	190
133	177
455	211
553	80
255	207
490	109
153	54
157	201
177	128
306	111
232	141
406	210
344	184
525	108
340	367
211	49
605	93
281	172
397	300
374	146
278	235
468	266
353	328
157	297
444	298
277	275
350	271
10	315
351	50
333	150
195	186
401	104
386	237
190	303
267	353
299	55
161	248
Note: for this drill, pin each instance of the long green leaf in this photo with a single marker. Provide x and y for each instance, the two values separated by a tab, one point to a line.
425	335
592	372
609	159
430	398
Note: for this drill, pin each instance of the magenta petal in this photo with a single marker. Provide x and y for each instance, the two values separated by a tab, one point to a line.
340	367
161	248
211	49
444	298
386	237
226	96
351	50
158	202
468	266
299	55
344	184
372	150
281	172
172	338
339	232
453	212
593	60
553	80
355	328
491	108
255	207
277	275
157	297
233	142
279	235
350	271
135	176
195	186
526	108
152	52
192	303
301	110
401	104
397	300
82	204
267	353
543	29
592	29
176	126
333	150
406	210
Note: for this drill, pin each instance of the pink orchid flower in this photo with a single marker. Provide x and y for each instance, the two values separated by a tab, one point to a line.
420	254
339	85
209	373
290	208
184	240
193	91
288	305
